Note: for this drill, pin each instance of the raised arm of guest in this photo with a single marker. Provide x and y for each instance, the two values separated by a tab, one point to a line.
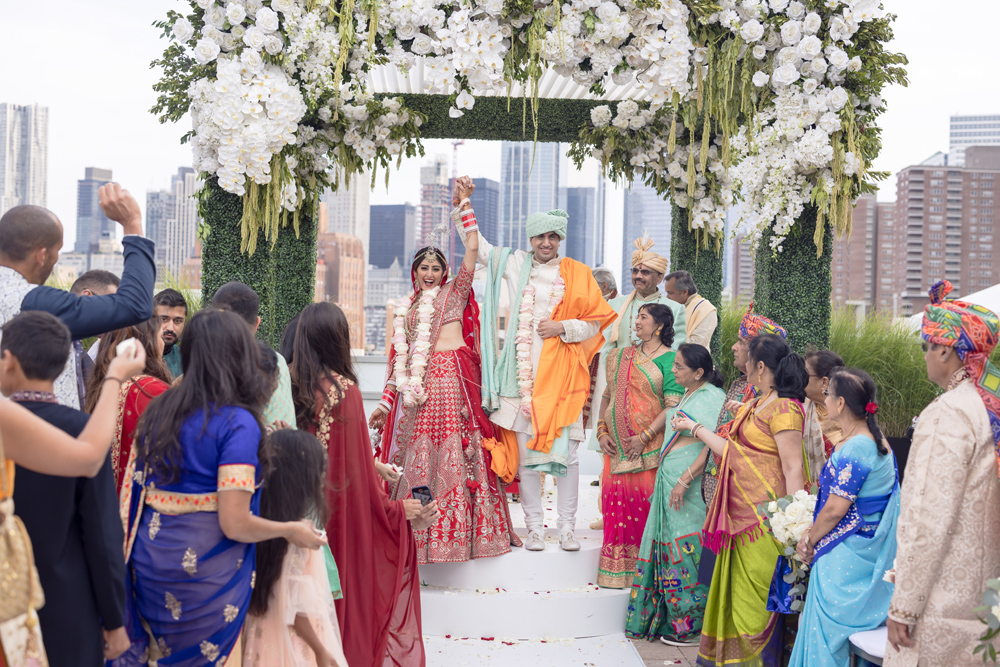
37	445
133	302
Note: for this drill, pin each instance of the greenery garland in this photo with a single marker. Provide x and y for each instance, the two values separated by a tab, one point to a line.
705	266
283	273
794	288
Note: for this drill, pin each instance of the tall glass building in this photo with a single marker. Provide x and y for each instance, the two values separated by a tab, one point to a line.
529	182
24	151
645	211
965	131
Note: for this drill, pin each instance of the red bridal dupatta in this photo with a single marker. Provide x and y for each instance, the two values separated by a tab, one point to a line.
371	542
133	397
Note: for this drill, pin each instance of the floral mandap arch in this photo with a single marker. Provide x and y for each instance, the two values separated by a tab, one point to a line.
771	104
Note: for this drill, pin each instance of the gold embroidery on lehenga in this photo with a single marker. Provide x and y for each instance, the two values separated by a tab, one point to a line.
253	579
161	645
173	604
230	612
209	650
154	525
190	561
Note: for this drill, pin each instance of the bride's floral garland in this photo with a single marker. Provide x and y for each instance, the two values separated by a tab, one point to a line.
410	381
522	339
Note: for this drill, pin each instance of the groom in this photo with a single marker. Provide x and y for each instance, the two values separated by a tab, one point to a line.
559	335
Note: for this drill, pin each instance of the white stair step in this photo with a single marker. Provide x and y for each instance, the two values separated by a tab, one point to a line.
564	614
523	570
609	651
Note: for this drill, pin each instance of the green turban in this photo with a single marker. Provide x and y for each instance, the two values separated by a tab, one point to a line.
543	223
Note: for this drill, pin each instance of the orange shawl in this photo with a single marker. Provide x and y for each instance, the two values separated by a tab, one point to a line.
563	379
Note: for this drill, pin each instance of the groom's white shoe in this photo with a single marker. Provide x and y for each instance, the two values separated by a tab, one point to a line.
568	541
534	541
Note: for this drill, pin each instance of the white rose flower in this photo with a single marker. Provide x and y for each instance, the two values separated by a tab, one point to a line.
785	76
791	33
253	6
235	13
183	30
818	67
254	37
772	39
752	31
406	31
760	52
267	19
251	60
854	64
627	109
772	507
761	79
810	85
809	47
229	40
812	23
787	56
205	51
273	45
215	16
778	5
422	45
600	116
796	10
675	170
837	99
840	30
205	4
637	123
283	6
839	59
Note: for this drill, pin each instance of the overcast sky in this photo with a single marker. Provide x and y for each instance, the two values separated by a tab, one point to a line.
88	62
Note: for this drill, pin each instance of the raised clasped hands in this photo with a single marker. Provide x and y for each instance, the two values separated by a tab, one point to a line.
464	188
548	328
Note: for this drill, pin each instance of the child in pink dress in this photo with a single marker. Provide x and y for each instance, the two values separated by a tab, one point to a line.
292	620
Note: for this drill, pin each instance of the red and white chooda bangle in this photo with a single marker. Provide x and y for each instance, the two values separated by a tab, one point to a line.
388	399
465	219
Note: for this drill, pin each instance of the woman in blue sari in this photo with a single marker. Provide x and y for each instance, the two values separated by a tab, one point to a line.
852	541
193	504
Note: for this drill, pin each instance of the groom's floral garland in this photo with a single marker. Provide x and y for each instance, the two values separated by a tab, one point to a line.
410	379
522	340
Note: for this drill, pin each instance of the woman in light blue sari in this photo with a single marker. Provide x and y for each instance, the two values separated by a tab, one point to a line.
193	502
852	541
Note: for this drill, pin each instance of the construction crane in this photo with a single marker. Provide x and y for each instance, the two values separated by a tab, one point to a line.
454	161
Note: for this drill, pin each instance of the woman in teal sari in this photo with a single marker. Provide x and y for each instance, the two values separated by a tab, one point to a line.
667	600
852	541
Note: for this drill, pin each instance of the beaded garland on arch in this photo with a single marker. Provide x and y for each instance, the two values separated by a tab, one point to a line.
410	376
525	325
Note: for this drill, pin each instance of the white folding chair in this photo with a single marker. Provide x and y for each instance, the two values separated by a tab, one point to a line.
869	645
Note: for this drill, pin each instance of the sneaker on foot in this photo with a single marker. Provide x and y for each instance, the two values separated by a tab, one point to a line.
597	525
534	541
568	542
669	641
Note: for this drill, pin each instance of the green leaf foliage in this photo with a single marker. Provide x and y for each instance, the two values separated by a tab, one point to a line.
283	275
793	287
704	265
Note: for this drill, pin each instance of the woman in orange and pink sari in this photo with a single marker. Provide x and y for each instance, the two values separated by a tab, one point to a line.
762	457
134	394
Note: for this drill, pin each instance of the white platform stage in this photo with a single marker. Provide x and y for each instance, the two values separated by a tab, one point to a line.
543	607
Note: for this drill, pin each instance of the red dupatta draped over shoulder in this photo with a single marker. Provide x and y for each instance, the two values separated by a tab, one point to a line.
371	542
133	398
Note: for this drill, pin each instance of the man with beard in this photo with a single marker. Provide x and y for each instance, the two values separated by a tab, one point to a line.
171	310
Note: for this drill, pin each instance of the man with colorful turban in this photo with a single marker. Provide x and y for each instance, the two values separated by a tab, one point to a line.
538	384
949	523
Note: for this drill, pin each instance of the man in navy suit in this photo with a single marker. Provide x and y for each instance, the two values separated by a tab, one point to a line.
30	240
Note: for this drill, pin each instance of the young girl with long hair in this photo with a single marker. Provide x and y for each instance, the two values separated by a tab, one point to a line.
370	535
133	395
192	501
292	620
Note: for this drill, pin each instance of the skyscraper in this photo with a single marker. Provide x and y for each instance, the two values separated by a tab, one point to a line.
529	183
343	258
24	151
394	227
181	231
91	223
744	269
645	212
159	210
968	131
580	244
600	213
854	259
435	204
348	211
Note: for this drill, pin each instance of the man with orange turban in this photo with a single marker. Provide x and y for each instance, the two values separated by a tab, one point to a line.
949	523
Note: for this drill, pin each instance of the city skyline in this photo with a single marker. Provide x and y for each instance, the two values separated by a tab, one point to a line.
24	151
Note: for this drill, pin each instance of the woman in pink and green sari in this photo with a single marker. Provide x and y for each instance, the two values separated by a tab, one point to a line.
640	386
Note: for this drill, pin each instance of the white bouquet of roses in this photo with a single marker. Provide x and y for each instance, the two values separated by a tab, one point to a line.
788	519
991	607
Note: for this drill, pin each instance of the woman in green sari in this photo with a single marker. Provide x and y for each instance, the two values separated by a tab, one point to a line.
667	600
761	458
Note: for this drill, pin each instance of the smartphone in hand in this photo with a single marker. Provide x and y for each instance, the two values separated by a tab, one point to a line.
423	494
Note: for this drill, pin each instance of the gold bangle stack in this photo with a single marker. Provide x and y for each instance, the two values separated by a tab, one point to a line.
647	436
602	428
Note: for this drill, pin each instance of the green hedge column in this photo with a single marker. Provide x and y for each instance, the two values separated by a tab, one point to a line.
284	276
704	264
793	287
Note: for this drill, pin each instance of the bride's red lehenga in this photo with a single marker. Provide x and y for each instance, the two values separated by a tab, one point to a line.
440	444
371	541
